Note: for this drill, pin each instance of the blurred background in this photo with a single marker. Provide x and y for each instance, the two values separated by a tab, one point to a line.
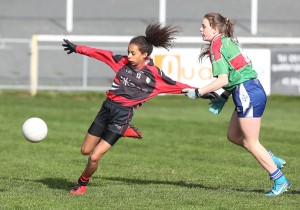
20	20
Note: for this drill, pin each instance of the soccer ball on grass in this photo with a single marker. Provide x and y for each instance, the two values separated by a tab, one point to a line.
34	129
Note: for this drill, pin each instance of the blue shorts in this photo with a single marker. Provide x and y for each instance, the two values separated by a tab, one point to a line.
249	98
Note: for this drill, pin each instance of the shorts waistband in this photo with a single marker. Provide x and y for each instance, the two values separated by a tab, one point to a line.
117	105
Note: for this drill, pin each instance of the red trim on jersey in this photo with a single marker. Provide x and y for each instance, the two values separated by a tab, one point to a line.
216	44
238	62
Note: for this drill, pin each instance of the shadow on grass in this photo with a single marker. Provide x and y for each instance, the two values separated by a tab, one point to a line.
56	183
187	185
64	184
146	182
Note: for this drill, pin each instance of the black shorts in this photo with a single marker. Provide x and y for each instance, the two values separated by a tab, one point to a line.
111	121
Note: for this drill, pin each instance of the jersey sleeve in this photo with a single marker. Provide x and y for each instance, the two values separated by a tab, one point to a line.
106	56
219	63
166	85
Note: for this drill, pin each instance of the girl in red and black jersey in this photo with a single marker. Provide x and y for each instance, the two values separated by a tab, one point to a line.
137	80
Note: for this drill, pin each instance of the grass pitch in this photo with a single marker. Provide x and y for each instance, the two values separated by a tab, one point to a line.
183	161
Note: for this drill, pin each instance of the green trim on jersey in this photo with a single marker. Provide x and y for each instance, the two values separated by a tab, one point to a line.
228	58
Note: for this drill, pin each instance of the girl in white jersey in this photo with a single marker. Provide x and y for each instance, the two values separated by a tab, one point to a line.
234	73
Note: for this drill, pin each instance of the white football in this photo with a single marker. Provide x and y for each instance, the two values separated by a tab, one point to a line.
34	129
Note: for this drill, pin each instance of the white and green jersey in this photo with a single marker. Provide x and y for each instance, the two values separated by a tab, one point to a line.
228	58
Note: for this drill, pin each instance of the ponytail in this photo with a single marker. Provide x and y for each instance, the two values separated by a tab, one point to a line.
157	36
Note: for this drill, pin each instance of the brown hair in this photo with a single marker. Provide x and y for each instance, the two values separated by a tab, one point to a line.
224	25
157	36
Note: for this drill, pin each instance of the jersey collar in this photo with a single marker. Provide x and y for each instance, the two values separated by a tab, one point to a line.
218	36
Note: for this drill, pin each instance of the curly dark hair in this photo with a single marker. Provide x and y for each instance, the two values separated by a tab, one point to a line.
157	36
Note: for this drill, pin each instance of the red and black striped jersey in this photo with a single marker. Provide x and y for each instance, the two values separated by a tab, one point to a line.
133	86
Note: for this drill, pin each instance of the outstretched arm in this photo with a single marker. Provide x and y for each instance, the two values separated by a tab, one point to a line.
172	87
219	82
102	55
69	46
193	93
207	91
166	85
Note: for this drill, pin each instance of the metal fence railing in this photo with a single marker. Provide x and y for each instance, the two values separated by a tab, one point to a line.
41	64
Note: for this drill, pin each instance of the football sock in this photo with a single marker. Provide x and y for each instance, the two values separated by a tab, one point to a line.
83	181
276	174
271	154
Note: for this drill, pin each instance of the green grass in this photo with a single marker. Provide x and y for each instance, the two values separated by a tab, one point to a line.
183	161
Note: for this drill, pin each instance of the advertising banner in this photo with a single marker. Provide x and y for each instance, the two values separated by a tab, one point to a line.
183	65
285	71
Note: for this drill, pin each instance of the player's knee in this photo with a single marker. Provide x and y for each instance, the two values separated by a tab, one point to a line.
85	151
249	146
94	158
